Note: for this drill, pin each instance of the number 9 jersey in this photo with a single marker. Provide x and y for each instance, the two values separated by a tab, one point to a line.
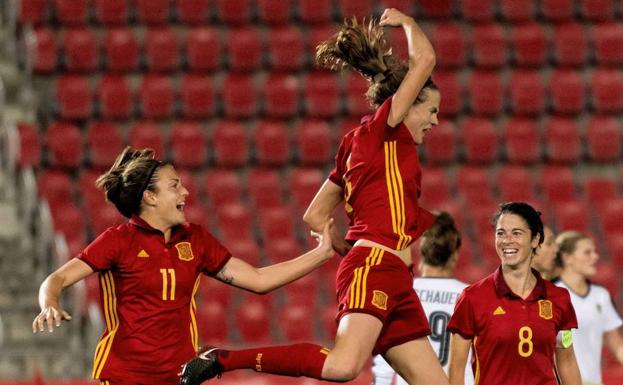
513	339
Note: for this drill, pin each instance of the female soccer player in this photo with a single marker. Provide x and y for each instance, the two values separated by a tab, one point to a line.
377	173
149	270
544	260
598	320
517	324
438	290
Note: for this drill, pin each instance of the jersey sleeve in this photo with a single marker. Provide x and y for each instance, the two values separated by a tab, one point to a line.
612	319
215	255
463	320
568	319
336	174
104	252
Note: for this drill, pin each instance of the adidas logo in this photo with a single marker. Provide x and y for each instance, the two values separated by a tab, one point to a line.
142	254
499	311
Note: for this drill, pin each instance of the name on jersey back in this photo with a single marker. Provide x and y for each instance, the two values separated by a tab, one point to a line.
440	297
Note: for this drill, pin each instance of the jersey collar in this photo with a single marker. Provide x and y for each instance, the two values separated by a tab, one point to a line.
503	290
143	225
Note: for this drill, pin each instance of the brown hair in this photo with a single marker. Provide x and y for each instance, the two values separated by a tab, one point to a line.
130	175
440	241
566	243
363	48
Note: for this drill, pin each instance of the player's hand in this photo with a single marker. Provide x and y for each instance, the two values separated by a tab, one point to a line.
393	17
325	242
49	317
338	242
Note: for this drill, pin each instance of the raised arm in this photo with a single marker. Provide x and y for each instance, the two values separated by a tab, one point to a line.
459	351
421	64
567	366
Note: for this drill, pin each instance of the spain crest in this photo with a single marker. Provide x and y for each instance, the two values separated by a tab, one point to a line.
545	309
184	251
379	299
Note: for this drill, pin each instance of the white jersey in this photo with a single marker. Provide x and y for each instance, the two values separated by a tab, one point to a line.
438	296
596	315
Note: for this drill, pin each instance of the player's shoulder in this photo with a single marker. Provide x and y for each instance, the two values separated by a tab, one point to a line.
599	290
478	288
556	290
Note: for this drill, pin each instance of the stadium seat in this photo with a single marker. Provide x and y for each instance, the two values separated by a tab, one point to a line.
557	184
322	95
152	12
121	49
144	134
557	10
315	11
303	290
81	50
405	6
212	322
515	184
518	11
523	143
286	48
440	147
272	143
64	144
609	214
294	321
240	98
435	187
597	10
105	143
603	135
196	212
230	144
614	243
189	181
71	12
477	10
32	11
69	220
480	140
562	140
527	94
356	102
111	12
275	224
161	50
452	92
245	49
572	215
570	45
75	97
489	46
303	183
356	8
607	91
253	319
441	9
156	96
116	99
318	33
398	42
607	41
313	142
222	186
448	39
567	92
188	144
274	12
193	12
233	12
283	248
234	221
203	49
529	44
486	95
46	51
281	94
197	96
55	186
474	184
29	145
247	250
329	325
600	189
265	188
103	215
91	195
213	290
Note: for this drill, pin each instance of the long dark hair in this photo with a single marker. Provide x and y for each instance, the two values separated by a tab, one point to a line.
440	241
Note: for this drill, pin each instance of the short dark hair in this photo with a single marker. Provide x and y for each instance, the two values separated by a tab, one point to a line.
528	213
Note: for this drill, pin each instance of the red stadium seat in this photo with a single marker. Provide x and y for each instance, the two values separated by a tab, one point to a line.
448	39
282	248
212	322
276	223
152	11
489	46
253	319
234	221
522	141
75	98
71	12
322	95
265	188
570	45
55	186
527	94
32	11
64	144
518	10
477	10
530	45
245	49
597	10
161	50
567	92
357	8
557	184
398	41
313	142
240	98
230	143
356	102
607	91
405	6
603	135
116	100
147	135
480	140
315	11
111	12
274	11
440	147
69	220
156	96
474	184
452	90
203	49
557	10
46	53
195	12
197	96
435	187
272	143
303	184
294	321
608	43
122	51
286	48
247	250
318	33
29	145
614	242
233	12
515	184
562	140
81	50
105	144
104	215
189	181
303	290
222	186
188	144
600	189
441	9
329	325
609	214
281	94
572	215
213	290
92	196
486	96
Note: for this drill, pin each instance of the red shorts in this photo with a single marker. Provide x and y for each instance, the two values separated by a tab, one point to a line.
376	282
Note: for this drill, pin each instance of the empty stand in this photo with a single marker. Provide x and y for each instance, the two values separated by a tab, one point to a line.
480	140
144	134
557	10
116	99
607	91
32	11
599	189
440	144
233	12
436	8
315	11
322	95
274	11
245	48
557	184
203	49
234	221
452	91
474	184
562	140
188	144
435	188
608	40
294	321
529	44
572	215
313	142
477	10
46	51
303	183
286	48
75	97
64	144
105	143
29	145
448	39
230	143
240	98
523	143
152	12
161	49
515	184
55	186
72	12
111	12
276	224
518	11
597	10
197	96
281	94
603	135
284	247
567	92
570	44
194	12
527	94
81	50
222	186
253	321
121	50
356	102
357	8
265	188
486	93
272	143
490	46
212	322
157	96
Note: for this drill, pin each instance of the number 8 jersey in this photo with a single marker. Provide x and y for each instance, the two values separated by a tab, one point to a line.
513	339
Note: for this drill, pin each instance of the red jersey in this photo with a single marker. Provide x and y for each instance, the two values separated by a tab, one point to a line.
378	169
147	290
513	339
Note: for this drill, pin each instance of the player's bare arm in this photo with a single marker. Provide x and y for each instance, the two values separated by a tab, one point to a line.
459	351
567	366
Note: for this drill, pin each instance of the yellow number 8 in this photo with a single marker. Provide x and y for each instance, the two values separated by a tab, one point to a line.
525	338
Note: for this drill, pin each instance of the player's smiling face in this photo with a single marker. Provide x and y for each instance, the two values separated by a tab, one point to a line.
584	258
422	117
513	240
170	196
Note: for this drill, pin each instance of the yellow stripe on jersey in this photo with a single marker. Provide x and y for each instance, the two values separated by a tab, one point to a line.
360	278
194	334
406	239
112	322
477	374
388	178
395	193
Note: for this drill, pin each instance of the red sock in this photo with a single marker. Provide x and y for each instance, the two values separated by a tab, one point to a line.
292	360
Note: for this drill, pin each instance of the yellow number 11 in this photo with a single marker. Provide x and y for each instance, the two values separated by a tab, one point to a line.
165	284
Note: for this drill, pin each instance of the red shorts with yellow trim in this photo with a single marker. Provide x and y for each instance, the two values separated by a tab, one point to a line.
376	282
